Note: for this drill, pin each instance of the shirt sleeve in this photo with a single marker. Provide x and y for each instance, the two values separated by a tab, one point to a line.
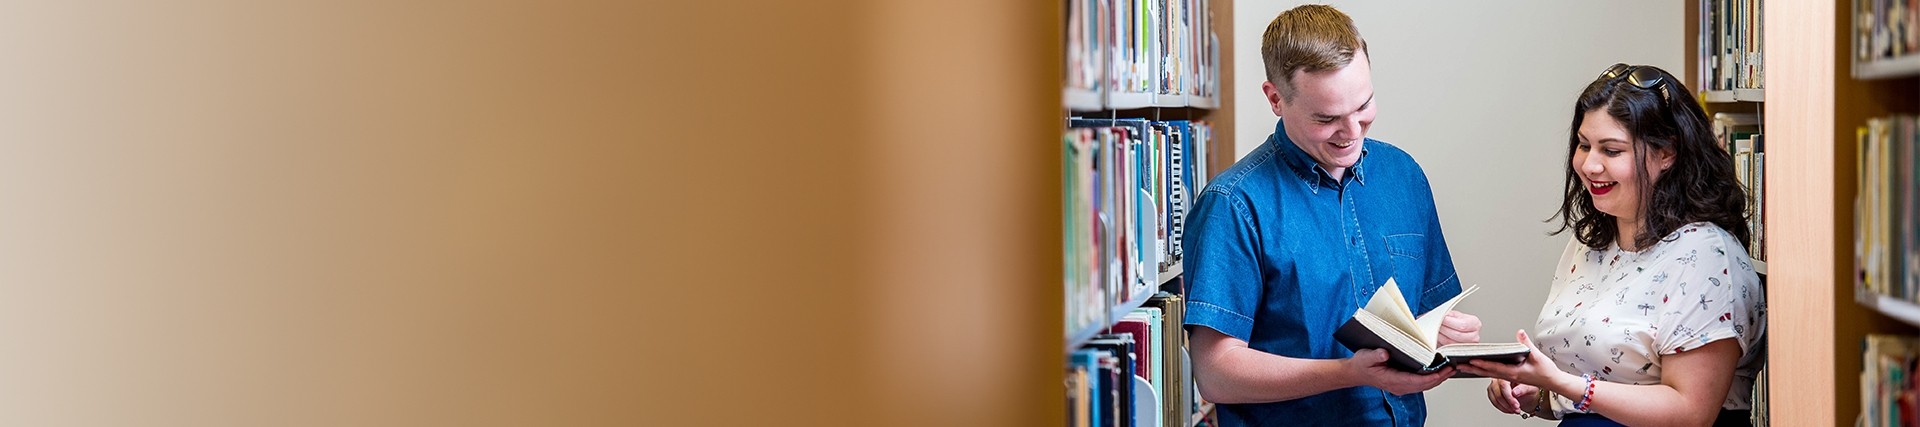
1222	265
1715	298
1572	259
1439	265
1443	282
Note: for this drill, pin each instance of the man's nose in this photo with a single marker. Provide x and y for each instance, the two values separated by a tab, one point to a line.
1350	128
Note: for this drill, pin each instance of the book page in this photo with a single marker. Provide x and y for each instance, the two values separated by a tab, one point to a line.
1483	349
1429	323
1391	307
1406	343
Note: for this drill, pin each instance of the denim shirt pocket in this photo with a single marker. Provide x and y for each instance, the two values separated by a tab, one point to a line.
1409	255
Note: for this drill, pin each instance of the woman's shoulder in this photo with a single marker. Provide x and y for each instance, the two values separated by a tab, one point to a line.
1703	234
1704	243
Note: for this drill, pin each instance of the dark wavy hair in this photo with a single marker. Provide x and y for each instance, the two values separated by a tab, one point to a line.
1699	186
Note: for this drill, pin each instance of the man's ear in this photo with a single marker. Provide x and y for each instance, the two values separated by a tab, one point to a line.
1274	100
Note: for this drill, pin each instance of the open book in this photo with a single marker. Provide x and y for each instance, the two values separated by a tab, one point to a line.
1412	343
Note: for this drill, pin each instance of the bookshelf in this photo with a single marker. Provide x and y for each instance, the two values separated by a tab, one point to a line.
1724	38
1135	100
1878	43
1727	39
1898	309
1732	96
1080	336
1899	67
1083	99
1145	110
1822	94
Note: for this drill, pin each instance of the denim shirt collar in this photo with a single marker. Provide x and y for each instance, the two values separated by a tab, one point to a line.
1308	170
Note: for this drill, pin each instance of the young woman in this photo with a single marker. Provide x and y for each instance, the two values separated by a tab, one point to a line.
1656	314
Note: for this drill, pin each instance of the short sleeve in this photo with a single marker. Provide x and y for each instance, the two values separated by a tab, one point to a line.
1571	259
1717	297
1221	265
1439	260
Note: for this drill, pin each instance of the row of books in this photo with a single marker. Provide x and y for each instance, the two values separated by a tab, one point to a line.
1126	187
1739	134
1885	29
1128	53
1730	45
1886	245
1887	387
1138	375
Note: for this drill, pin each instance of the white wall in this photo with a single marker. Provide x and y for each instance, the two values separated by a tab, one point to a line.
1481	93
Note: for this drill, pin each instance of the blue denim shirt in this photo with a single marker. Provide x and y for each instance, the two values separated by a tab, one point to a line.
1280	254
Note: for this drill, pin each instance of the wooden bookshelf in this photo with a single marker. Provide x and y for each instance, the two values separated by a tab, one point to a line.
1816	320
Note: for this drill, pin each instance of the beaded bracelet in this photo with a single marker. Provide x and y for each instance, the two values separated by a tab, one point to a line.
1541	403
1586	399
1537	403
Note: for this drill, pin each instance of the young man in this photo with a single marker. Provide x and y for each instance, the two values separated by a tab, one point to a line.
1287	243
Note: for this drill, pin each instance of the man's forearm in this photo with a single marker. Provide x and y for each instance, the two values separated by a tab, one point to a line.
1245	375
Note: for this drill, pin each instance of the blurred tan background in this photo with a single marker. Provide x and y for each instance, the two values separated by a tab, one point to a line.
528	213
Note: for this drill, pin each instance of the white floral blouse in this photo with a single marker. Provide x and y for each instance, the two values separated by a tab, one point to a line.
1615	313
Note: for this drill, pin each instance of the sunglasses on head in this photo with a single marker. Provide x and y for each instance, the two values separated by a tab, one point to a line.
1642	77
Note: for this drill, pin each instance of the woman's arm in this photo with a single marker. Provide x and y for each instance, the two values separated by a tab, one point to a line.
1227	371
1693	384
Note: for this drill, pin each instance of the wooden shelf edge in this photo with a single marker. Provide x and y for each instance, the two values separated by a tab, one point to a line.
1203	102
1904	311
1139	100
1082	100
1085	333
1904	66
1733	96
1171	273
1132	100
1760	267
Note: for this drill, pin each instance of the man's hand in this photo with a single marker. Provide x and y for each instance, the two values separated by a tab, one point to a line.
1369	367
1459	328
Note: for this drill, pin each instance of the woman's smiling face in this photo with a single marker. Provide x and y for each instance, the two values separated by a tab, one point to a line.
1604	160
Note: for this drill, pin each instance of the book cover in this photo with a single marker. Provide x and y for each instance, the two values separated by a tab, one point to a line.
1142	339
1116	360
1177	388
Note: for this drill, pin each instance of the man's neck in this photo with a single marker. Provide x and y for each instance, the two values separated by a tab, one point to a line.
1336	173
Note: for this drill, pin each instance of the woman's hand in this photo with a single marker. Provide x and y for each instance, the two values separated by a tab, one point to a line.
1512	398
1537	371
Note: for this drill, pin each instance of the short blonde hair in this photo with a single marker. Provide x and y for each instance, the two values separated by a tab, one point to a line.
1314	38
